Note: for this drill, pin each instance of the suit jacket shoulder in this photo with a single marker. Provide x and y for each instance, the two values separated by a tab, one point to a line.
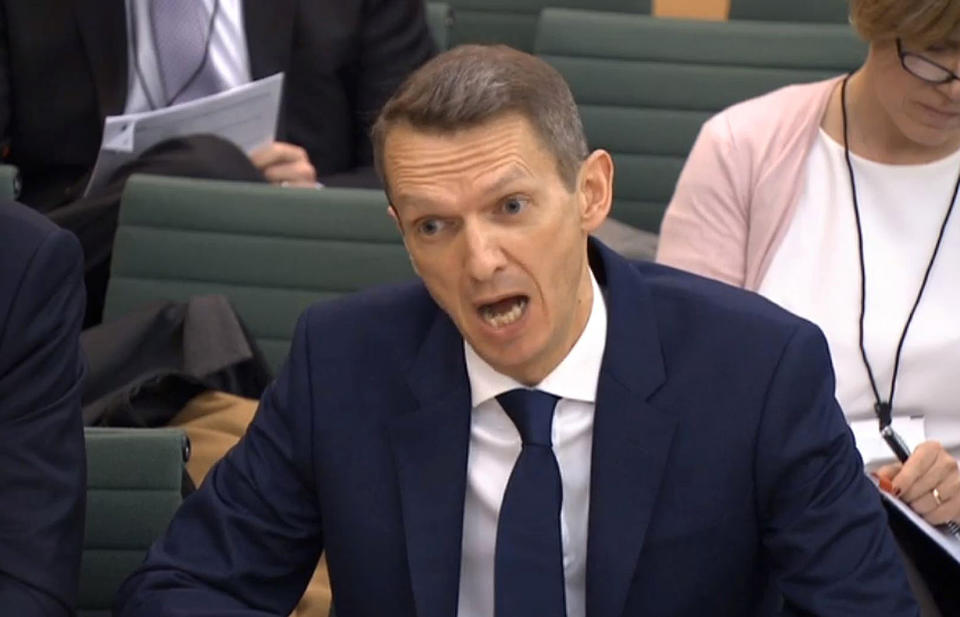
42	463
391	319
761	457
23	232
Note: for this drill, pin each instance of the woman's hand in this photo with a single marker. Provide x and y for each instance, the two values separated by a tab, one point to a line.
929	482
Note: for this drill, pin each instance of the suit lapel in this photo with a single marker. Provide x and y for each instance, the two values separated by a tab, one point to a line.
103	28
631	438
430	446
269	30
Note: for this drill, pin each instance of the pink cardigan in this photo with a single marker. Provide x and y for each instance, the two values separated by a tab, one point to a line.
740	185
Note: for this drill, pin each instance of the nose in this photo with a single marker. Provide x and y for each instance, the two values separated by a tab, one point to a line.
951	90
484	256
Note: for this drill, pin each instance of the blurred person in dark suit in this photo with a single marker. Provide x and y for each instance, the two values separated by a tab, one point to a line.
42	463
65	66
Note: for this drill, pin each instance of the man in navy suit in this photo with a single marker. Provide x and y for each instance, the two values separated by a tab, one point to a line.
538	427
42	463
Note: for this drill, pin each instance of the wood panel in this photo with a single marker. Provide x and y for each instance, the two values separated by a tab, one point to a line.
702	9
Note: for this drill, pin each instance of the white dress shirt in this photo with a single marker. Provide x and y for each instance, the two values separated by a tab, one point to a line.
816	274
228	51
495	446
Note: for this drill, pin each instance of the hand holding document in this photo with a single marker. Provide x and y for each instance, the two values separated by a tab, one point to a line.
245	115
944	536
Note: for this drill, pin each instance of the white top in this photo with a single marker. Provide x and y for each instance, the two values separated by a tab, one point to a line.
816	274
228	51
495	446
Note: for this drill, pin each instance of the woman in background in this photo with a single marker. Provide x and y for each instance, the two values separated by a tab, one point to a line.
835	200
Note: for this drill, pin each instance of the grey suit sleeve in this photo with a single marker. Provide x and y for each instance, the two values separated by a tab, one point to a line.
825	530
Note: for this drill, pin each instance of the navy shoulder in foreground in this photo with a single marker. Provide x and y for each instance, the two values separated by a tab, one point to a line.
723	475
42	463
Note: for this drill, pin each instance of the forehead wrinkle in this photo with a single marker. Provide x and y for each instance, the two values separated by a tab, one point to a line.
479	177
428	161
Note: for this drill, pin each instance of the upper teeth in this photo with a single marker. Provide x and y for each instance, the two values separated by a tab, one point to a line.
498	320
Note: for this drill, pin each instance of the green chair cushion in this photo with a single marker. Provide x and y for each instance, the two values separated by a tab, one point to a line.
440	19
133	490
822	11
9	182
514	22
645	85
271	251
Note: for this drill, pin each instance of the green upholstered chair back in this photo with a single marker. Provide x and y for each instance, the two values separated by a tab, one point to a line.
440	20
822	11
514	22
271	251
645	85
133	490
9	182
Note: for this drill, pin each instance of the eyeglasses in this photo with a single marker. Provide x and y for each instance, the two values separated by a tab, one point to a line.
924	68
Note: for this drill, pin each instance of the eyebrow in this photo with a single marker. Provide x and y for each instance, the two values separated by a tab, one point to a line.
516	172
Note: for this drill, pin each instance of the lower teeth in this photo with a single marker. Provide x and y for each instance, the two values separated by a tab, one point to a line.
503	319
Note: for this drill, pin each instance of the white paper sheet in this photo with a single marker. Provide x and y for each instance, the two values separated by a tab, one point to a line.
245	115
947	541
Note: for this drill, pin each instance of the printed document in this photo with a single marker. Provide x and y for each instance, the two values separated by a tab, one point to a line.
245	115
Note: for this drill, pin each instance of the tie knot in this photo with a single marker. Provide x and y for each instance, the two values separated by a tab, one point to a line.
531	412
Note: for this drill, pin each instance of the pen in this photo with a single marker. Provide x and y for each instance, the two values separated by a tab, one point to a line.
902	452
896	443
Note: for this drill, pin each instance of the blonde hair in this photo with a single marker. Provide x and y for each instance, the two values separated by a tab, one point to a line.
921	22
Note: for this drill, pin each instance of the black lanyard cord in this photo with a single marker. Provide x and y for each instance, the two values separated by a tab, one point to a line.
884	409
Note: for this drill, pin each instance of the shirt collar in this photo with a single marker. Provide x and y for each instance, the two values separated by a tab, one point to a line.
576	377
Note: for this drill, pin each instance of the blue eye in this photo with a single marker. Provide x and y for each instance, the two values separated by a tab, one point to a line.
514	205
430	227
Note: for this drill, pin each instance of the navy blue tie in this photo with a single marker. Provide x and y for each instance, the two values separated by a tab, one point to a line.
528	570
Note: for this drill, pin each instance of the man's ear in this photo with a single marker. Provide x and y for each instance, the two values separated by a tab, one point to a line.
392	211
595	188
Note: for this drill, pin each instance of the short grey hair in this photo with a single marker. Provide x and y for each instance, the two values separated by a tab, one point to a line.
471	84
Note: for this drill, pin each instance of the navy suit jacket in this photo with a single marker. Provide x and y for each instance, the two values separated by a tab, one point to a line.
723	472
42	463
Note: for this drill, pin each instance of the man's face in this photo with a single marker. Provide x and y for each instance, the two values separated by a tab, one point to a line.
498	238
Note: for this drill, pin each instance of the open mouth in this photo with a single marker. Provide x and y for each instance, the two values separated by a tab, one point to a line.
504	312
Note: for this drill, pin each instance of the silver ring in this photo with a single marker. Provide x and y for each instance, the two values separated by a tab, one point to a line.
936	497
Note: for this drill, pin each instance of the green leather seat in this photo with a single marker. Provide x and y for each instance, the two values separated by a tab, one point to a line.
820	11
271	251
645	85
133	490
9	182
440	20
514	22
